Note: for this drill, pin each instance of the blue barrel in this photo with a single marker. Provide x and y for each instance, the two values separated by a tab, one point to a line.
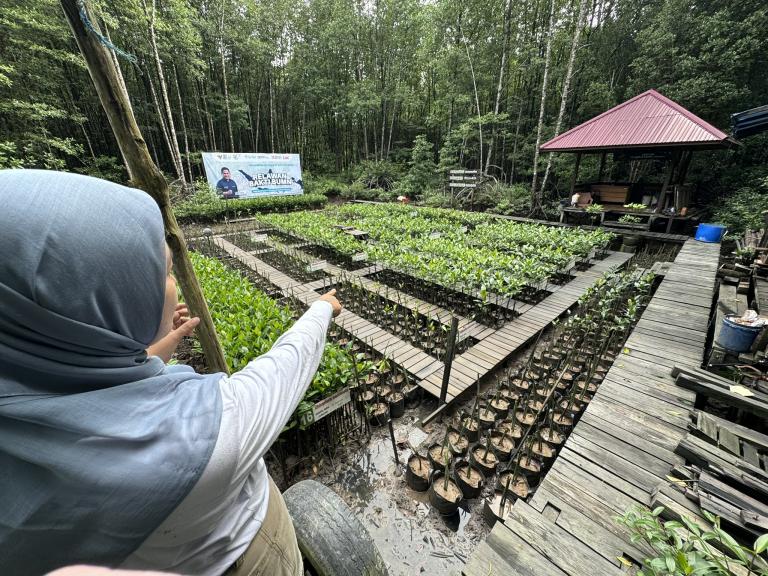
710	232
735	337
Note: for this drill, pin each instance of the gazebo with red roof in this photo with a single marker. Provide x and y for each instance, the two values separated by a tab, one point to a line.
648	126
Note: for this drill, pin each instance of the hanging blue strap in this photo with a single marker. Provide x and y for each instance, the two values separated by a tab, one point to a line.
105	41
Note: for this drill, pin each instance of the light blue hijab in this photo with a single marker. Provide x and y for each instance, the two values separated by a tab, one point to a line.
98	442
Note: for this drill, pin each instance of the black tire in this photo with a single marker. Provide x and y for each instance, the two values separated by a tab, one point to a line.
331	538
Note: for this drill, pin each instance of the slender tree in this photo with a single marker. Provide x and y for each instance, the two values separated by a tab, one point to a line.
536	193
567	81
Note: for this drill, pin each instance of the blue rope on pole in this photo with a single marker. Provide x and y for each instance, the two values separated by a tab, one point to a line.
105	42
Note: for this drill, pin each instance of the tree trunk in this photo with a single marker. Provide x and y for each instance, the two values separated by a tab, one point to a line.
172	140
144	174
271	114
479	116
224	81
567	81
500	85
183	124
535	193
161	118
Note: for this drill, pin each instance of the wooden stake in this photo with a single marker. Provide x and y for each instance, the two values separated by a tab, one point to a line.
144	174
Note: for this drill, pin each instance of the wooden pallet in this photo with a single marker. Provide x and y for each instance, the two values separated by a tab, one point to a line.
622	448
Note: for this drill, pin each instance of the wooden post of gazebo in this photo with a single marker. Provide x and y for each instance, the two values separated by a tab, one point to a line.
575	172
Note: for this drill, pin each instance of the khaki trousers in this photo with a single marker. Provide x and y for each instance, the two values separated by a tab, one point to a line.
274	550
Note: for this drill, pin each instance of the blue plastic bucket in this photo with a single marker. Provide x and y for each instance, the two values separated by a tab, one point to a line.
735	337
710	232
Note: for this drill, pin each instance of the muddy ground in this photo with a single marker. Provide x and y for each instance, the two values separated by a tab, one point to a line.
411	536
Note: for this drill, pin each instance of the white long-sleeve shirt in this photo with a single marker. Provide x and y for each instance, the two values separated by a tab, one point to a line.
215	523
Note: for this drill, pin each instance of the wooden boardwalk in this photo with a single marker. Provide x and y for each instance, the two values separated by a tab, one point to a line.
622	448
495	348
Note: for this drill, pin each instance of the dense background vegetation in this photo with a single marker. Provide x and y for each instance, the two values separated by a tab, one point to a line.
378	95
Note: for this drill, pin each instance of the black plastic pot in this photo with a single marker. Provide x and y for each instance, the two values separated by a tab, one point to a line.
456	442
512	428
509	394
503	453
396	404
530	468
518	484
443	506
471	435
552	437
500	406
487	418
492	511
438	463
383	390
379	414
418	480
397	379
563	421
467	488
525	420
412	395
544	453
487	467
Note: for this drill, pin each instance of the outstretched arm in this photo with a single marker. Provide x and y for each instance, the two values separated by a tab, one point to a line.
248	176
270	387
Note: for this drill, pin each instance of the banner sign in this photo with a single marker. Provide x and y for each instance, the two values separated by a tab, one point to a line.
249	175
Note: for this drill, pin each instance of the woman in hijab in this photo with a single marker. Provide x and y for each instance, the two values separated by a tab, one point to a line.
107	455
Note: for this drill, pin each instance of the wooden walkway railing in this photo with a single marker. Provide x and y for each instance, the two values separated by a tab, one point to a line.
622	448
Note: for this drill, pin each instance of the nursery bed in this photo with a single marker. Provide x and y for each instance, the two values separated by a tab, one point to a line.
618	454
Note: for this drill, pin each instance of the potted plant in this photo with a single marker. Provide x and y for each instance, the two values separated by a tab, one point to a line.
444	494
418	471
468	478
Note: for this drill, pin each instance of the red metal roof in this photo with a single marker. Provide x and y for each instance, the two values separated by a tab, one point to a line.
647	120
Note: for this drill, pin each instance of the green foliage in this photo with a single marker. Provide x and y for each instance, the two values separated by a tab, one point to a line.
509	200
106	167
742	211
635	206
404	69
594	209
687	548
629	219
325	185
206	206
493	256
422	174
249	322
380	175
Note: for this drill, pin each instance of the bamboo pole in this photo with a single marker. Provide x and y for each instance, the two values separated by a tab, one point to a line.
144	174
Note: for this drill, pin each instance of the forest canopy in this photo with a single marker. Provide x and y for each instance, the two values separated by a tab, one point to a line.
385	95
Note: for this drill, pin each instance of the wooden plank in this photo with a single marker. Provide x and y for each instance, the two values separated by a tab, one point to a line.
566	552
588	520
594	464
749	404
504	553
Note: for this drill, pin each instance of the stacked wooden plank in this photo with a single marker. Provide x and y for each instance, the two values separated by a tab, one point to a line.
727	472
622	449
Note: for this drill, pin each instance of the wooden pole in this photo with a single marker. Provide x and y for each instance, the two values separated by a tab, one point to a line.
602	167
667	181
144	174
449	349
575	172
